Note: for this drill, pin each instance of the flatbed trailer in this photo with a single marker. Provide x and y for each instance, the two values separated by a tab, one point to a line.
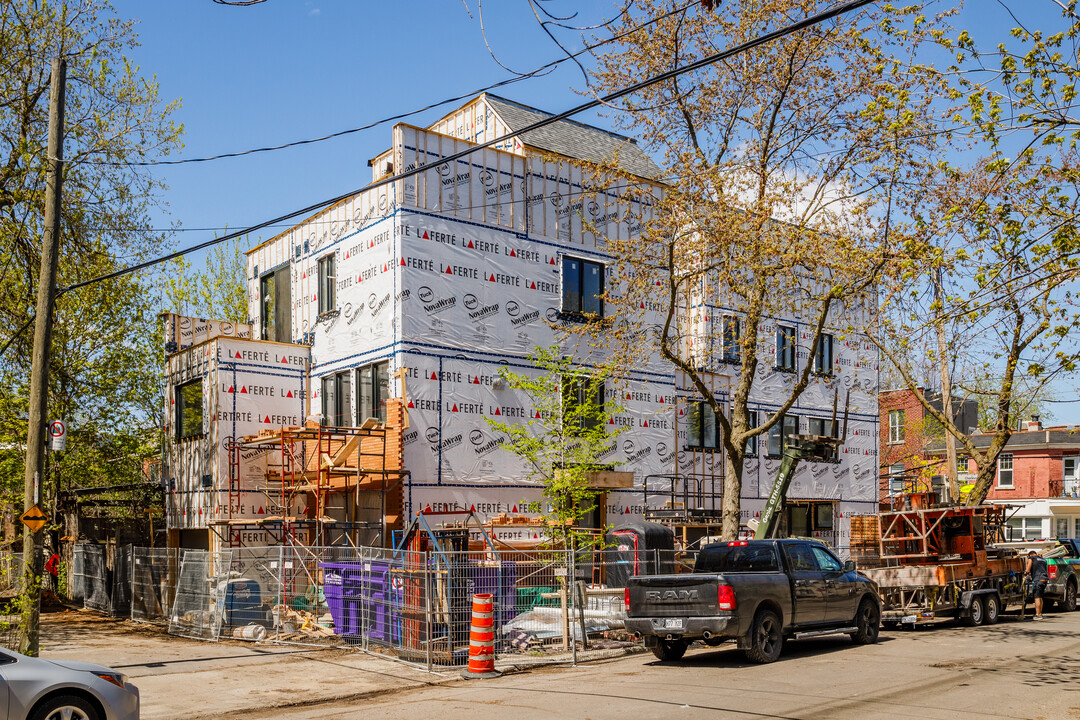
937	562
973	594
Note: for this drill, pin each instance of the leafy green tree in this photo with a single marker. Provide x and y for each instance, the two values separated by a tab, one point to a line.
101	376
780	160
102	373
562	447
217	291
996	228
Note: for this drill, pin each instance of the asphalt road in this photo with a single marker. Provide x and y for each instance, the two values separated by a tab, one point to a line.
1016	669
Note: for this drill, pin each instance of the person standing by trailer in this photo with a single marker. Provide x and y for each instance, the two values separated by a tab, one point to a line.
1038	575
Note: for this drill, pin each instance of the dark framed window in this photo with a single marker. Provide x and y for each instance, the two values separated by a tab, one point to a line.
189	409
275	293
752	443
824	428
820	426
732	346
823	355
336	399
785	347
702	428
780	433
327	284
583	401
374	383
582	288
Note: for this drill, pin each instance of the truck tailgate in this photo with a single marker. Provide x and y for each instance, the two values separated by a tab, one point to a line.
670	595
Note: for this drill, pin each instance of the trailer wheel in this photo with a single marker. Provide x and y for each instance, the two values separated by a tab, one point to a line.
766	638
867	620
991	608
975	614
665	650
1068	602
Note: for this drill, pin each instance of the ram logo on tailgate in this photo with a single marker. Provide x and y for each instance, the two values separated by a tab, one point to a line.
663	596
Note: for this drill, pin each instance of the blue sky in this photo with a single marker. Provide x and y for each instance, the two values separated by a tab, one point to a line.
287	70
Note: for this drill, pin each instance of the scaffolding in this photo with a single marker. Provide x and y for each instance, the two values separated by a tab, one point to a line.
921	534
334	470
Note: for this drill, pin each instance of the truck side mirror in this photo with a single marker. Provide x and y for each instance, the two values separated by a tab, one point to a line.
849	566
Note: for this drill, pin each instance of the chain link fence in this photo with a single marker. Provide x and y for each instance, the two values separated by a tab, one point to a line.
199	599
10	584
153	580
550	606
101	578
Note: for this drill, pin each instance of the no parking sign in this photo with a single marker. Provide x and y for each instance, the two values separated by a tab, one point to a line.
57	435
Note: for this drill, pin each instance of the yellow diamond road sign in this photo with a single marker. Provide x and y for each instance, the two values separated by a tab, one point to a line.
34	519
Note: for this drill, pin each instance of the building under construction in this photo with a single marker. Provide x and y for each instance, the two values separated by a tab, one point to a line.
379	326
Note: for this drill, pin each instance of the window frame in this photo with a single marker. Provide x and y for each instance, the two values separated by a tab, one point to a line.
340	388
575	388
1070	484
696	429
378	375
279	279
730	336
824	365
1000	483
787	356
752	444
897	426
579	313
327	273
1026	526
780	433
181	406
826	424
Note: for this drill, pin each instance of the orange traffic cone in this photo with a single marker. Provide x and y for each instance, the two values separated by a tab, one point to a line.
482	639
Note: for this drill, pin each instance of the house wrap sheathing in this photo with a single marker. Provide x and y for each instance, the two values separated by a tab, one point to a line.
245	386
450	274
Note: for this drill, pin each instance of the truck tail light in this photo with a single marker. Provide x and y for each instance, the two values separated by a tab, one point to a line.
725	597
1052	569
626	598
737	543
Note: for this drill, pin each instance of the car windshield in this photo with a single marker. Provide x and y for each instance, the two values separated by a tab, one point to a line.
737	558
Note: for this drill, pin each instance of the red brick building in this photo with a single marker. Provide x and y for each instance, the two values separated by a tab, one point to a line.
908	438
1040	470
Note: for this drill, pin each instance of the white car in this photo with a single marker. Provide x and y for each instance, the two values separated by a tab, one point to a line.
39	689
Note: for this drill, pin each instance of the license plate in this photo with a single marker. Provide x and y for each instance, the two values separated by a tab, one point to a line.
673	623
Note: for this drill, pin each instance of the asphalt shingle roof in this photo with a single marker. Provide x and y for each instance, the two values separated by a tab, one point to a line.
574	139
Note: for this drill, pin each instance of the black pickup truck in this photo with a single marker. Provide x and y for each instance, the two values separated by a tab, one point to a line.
756	592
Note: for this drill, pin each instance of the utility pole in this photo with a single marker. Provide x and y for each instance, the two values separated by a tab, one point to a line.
39	373
946	392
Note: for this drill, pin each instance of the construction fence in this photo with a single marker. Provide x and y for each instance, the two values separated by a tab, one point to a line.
10	584
550	606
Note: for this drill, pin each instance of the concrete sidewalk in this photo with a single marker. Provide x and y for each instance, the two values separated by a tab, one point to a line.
181	679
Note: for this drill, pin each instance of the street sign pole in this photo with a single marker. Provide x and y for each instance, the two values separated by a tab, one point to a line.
30	595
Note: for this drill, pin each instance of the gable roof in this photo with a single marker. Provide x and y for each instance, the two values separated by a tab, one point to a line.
573	139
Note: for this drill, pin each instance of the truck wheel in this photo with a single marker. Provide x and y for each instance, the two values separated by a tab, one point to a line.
670	649
867	620
766	638
975	614
1068	602
991	608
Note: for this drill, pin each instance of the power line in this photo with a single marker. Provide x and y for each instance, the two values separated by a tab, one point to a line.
540	71
550	120
803	24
